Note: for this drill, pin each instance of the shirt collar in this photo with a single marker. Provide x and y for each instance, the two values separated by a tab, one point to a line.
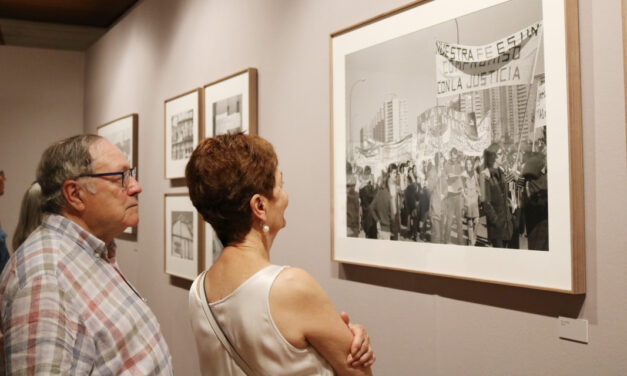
81	237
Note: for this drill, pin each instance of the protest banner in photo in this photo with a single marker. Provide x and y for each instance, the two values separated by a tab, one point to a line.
508	61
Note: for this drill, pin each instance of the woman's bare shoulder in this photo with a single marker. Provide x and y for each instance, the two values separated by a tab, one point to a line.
293	298
296	283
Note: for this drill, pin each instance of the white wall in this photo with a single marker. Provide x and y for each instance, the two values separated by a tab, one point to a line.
418	324
41	101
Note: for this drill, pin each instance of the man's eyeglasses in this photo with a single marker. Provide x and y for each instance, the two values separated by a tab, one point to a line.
131	172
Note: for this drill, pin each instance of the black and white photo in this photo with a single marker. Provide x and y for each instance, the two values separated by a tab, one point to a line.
182	131
182	236
425	147
227	115
231	104
450	145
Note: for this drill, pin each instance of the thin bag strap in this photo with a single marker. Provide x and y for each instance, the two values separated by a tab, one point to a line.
217	329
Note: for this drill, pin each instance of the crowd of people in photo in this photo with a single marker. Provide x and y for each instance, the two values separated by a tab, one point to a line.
497	199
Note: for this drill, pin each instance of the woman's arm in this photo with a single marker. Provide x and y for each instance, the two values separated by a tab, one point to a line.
304	315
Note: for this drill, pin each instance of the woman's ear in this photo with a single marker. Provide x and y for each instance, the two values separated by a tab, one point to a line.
259	206
73	194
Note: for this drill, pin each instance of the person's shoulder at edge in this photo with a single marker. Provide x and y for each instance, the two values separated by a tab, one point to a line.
295	281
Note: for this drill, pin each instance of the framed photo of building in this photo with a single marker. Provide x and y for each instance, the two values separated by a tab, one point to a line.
182	131
182	236
122	133
231	104
456	142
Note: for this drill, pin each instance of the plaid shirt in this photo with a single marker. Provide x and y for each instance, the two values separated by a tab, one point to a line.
67	309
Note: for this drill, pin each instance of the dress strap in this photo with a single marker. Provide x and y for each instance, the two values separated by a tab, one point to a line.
217	329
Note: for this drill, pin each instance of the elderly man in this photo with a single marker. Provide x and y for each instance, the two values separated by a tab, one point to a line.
66	307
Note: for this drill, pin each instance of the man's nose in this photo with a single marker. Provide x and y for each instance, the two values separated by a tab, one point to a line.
133	186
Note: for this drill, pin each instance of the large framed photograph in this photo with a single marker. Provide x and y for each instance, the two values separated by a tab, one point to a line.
231	104
182	132
183	236
456	142
122	133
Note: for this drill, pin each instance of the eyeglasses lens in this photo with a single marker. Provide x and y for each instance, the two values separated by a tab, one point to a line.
131	172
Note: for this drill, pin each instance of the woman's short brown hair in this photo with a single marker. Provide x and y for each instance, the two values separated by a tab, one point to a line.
223	174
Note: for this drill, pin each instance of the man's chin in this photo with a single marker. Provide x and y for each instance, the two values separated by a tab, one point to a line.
132	221
131	224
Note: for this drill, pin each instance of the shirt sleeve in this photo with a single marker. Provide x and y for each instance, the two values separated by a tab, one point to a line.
43	334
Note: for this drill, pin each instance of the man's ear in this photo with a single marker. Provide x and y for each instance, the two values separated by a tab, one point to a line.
73	194
258	206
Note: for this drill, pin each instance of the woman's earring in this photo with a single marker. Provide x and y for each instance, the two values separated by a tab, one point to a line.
265	228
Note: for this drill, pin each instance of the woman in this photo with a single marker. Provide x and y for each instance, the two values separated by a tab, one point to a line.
278	319
494	195
30	215
471	200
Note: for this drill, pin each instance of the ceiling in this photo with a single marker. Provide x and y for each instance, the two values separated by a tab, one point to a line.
58	24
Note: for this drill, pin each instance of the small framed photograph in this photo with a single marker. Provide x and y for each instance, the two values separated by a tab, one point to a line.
231	104
457	142
183	236
182	132
122	133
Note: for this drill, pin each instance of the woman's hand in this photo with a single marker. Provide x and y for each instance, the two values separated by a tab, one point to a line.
362	354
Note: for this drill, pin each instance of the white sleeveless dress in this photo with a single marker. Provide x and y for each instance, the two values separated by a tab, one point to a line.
244	316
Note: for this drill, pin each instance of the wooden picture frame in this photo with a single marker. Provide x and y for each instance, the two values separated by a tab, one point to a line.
182	129
123	133
432	76
183	237
230	104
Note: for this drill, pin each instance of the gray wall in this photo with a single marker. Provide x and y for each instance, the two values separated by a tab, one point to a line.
419	324
41	100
